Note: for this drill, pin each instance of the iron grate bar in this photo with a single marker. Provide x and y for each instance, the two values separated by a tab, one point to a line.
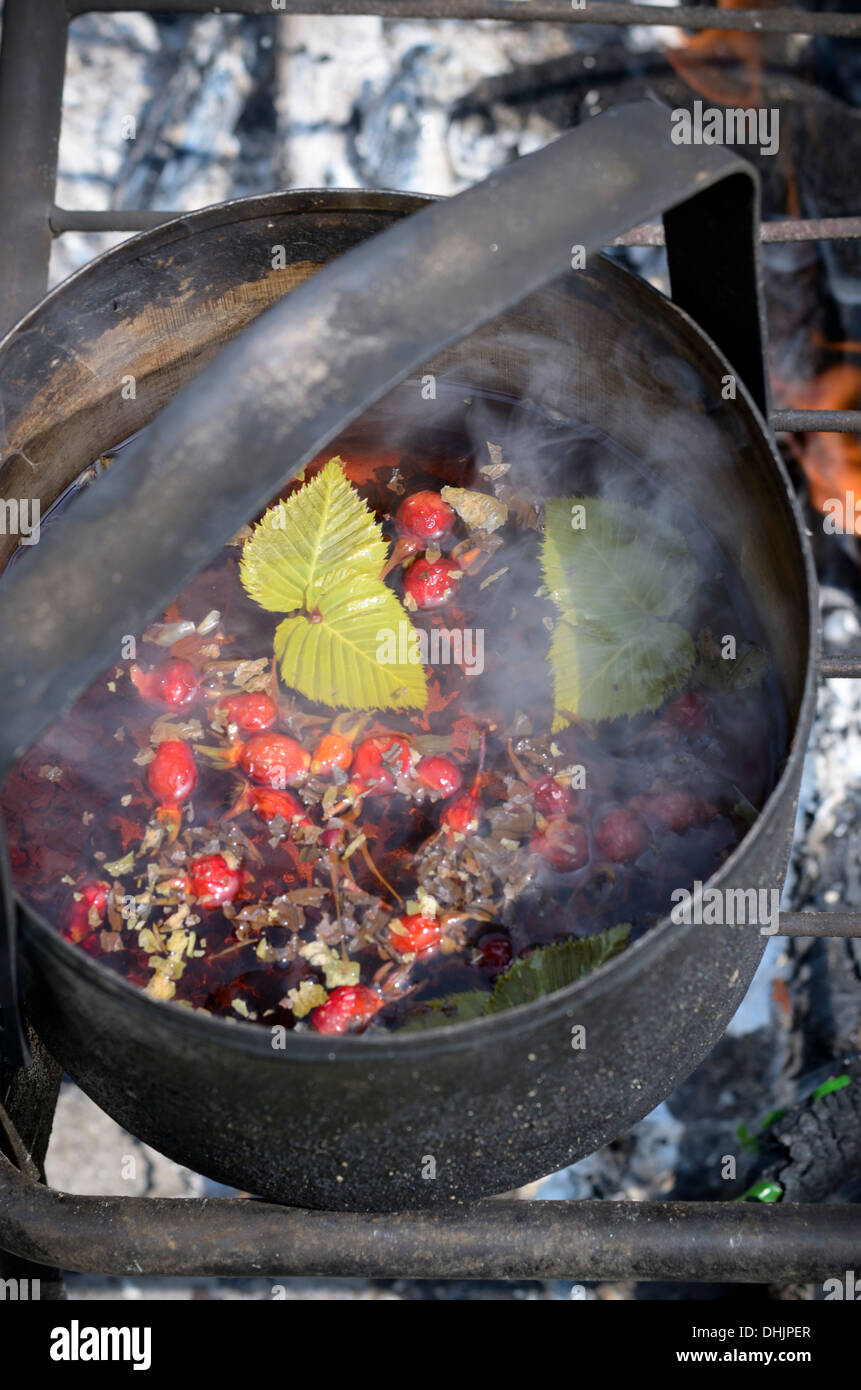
63	220
846	667
790	229
820	924
783	20
738	1242
142	219
816	421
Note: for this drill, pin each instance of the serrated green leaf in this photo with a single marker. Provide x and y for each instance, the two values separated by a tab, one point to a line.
336	659
552	967
452	1008
615	580
323	529
622	563
318	557
598	676
747	668
544	970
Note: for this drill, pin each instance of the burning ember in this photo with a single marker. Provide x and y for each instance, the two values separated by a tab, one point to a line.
831	462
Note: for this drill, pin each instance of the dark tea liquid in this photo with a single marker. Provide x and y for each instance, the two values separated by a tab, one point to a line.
80	800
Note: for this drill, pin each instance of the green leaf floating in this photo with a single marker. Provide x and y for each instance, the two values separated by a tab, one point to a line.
544	970
616	581
748	667
552	967
334	659
451	1008
318	557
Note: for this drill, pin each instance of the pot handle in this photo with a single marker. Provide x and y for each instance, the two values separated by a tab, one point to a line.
313	362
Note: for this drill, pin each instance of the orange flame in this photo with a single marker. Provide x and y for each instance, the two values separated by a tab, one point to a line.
709	63
697	60
832	462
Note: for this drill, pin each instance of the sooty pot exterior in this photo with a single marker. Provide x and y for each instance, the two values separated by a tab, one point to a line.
376	1123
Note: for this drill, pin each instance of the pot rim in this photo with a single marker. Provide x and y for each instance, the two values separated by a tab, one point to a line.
651	947
226	213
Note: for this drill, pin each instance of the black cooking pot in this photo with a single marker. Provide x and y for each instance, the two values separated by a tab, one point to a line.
346	1121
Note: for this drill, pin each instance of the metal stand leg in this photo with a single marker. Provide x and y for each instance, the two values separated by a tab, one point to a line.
32	69
26	1117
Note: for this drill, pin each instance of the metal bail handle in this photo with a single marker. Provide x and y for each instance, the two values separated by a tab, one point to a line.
313	362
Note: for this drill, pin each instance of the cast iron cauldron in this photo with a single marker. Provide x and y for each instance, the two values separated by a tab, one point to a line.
349	1122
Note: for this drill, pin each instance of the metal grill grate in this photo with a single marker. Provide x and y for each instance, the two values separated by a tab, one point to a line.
694	1241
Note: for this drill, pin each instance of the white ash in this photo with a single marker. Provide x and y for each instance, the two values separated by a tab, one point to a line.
825	871
220	101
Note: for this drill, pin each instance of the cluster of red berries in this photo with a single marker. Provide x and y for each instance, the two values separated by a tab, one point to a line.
425	519
274	762
350	1008
624	832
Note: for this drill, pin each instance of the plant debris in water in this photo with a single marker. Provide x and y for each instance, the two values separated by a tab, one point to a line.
341	819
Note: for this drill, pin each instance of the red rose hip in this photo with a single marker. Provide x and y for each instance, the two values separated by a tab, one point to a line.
496	952
439	774
252	712
172	775
425	516
621	836
348	1009
274	760
270	804
431	585
462	816
378	760
677	810
212	881
173	683
87	910
551	798
687	711
332	751
563	844
416	935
